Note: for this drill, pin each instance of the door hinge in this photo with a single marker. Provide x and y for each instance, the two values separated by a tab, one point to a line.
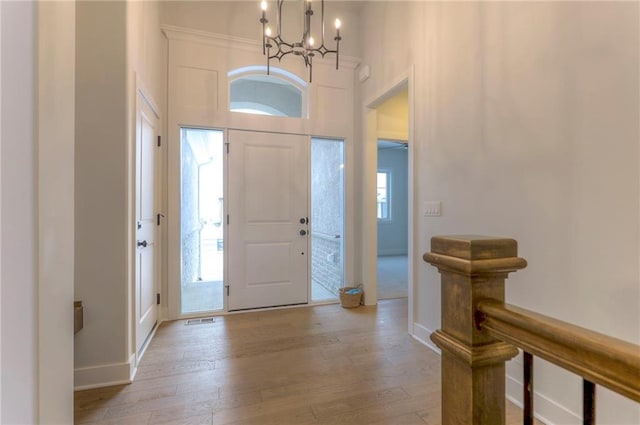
227	219
227	143
227	286
159	141
158	299
158	216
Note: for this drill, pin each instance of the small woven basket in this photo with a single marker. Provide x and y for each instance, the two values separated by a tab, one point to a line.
349	300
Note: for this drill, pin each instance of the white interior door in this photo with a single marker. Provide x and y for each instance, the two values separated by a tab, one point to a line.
147	130
268	219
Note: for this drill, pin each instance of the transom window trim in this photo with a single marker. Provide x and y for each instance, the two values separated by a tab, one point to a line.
262	70
277	75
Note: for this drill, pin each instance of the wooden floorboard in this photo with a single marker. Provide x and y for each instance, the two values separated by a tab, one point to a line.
321	365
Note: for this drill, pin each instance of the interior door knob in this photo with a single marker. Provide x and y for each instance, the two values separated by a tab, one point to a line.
142	244
303	232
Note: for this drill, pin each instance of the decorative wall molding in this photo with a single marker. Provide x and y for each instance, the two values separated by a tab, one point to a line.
227	41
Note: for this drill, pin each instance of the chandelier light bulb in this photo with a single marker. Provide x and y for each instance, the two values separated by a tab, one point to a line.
310	41
263	5
338	23
267	32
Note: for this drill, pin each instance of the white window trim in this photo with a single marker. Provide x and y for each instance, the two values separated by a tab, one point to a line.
282	74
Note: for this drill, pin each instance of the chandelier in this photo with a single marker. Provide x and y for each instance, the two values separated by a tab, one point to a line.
305	47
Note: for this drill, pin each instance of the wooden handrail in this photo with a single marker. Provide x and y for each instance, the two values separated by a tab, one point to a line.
479	332
602	359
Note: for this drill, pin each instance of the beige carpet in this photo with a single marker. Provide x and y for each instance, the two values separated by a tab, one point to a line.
392	276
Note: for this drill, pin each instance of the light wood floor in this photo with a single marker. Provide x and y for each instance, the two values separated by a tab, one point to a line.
319	365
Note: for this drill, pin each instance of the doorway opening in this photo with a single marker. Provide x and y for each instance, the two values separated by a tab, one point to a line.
202	220
392	214
327	218
388	115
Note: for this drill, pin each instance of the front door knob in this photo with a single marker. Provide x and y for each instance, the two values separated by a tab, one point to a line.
303	232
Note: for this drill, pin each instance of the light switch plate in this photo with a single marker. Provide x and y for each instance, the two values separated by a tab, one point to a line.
432	208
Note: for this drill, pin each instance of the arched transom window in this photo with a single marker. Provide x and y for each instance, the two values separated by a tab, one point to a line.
281	93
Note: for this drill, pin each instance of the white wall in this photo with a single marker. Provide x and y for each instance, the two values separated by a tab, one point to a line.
1	117
101	279
19	320
37	212
527	126
241	19
56	115
118	45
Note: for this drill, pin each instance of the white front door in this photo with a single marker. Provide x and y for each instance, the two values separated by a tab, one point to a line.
147	130
268	220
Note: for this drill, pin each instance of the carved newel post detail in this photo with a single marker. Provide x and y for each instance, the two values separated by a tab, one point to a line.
473	268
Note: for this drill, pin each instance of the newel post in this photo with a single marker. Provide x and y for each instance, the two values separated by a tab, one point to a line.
473	371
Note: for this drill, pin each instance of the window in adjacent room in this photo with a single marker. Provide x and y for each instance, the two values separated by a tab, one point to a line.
383	196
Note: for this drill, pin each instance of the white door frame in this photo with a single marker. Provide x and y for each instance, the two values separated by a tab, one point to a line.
370	164
142	96
173	211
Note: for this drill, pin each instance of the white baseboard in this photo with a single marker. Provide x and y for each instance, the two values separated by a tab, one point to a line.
136	361
163	314
421	334
86	378
546	410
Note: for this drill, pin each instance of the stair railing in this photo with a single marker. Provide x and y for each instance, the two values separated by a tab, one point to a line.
480	332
